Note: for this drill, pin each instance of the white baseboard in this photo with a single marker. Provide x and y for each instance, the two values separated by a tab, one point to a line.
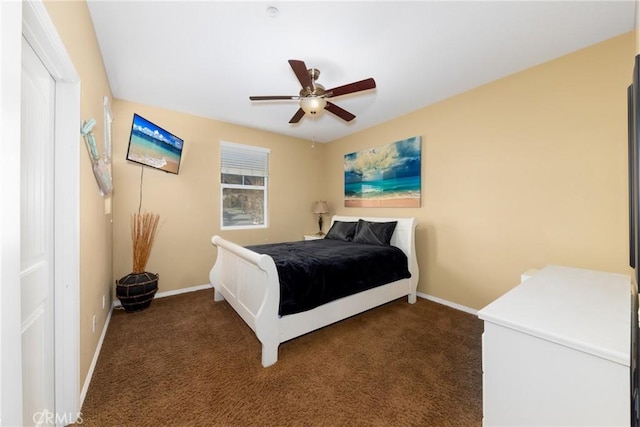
116	302
87	381
448	303
184	290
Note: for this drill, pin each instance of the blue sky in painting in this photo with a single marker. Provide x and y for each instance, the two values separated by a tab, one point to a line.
400	159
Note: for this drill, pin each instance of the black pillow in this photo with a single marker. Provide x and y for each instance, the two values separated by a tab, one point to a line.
374	233
341	230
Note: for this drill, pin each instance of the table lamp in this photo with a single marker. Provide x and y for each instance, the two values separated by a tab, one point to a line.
319	208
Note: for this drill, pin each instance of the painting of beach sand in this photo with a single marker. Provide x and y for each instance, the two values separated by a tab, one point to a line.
387	176
153	146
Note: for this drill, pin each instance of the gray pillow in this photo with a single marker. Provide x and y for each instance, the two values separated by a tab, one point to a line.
341	230
374	233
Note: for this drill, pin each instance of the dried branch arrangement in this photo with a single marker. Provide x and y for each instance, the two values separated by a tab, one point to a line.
143	231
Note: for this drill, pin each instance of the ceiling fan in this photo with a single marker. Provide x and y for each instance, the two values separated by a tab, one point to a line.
313	96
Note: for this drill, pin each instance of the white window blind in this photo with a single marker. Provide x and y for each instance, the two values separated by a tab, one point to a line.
239	159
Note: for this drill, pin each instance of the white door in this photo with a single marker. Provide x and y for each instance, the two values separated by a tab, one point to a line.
36	234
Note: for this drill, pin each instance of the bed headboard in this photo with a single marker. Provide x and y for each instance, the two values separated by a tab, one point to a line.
403	236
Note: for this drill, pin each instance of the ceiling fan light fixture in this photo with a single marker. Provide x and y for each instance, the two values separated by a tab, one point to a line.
313	96
312	104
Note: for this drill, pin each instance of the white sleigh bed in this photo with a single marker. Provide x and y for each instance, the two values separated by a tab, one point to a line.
249	282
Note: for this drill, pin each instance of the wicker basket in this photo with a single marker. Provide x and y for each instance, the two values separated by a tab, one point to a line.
136	290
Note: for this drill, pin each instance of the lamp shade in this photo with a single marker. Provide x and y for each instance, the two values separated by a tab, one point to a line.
312	104
320	207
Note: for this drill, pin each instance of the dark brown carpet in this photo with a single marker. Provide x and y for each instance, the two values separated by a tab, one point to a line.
188	360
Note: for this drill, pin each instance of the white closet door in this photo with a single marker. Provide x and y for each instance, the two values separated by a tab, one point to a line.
36	233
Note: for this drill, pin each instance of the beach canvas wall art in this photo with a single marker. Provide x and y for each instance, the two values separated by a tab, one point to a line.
387	176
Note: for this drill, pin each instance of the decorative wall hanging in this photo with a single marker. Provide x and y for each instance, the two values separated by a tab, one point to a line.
100	169
387	176
108	119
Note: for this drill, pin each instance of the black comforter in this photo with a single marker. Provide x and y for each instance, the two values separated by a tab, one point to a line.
315	272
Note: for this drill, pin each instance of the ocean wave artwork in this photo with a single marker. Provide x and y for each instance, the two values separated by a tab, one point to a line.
387	176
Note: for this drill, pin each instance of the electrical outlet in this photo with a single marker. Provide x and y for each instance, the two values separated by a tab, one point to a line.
94	323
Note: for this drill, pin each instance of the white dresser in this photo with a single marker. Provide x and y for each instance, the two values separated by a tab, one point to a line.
556	351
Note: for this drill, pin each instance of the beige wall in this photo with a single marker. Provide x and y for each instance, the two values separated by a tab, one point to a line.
524	172
74	25
189	203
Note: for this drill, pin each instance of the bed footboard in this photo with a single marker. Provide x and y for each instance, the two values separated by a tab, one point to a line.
250	284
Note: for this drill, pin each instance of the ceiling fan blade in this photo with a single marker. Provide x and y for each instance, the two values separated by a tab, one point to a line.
340	112
297	116
300	69
270	98
353	87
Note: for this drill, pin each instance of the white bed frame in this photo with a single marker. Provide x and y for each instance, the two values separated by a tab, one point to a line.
250	284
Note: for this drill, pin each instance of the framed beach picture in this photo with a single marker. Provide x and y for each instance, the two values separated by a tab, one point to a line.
387	176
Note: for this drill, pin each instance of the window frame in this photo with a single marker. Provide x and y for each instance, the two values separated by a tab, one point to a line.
264	188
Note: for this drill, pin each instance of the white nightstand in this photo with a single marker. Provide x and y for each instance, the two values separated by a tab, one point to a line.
313	237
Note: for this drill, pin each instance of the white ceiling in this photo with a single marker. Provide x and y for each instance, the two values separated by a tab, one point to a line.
207	57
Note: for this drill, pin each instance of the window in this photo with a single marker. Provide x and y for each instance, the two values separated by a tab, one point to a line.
244	171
